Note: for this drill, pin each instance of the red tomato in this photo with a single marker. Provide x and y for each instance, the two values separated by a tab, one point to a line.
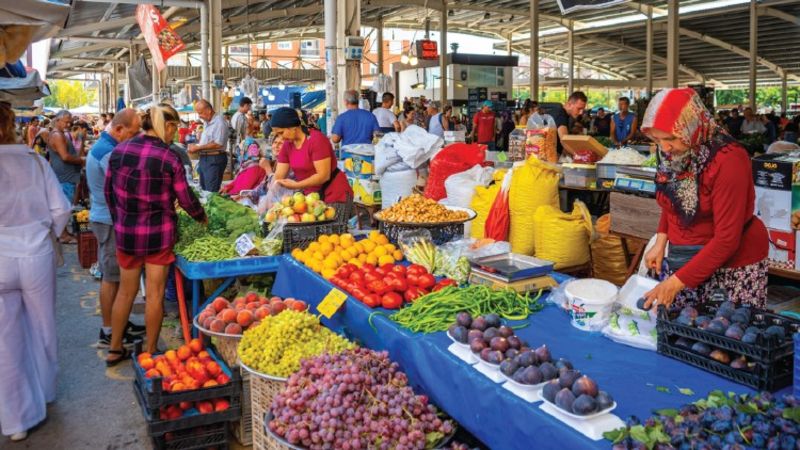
358	294
397	284
411	294
416	269
426	281
387	268
372	300
378	287
391	300
443	284
399	270
413	279
356	277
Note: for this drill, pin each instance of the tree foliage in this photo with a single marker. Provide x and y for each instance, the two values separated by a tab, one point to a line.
69	94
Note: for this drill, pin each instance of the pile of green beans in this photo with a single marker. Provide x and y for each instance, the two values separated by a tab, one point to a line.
437	311
209	248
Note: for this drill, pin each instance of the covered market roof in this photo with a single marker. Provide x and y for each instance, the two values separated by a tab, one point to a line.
713	46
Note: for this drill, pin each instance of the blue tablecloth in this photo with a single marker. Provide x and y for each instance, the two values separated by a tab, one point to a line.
228	268
497	417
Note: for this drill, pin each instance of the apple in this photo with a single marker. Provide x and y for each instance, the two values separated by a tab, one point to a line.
308	218
314	196
300	207
271	217
288	211
330	213
292	219
318	208
320	217
299	197
286	200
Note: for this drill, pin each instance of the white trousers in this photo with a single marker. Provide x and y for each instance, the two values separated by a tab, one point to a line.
28	347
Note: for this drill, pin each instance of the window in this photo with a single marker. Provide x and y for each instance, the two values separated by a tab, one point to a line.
486	76
373	69
284	45
432	77
395	47
309	49
373	46
267	45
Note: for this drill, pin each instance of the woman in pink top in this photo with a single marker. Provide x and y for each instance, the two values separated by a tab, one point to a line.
251	173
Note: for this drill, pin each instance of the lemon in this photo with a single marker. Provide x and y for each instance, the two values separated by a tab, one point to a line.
313	247
334	239
389	247
381	240
326	248
380	251
328	273
385	259
323	239
397	255
372	259
318	256
330	263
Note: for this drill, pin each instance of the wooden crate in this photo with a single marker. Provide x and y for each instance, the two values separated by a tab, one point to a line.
634	216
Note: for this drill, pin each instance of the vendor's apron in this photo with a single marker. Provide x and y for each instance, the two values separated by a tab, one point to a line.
328	191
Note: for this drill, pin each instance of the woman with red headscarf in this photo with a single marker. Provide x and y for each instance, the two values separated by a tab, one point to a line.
705	189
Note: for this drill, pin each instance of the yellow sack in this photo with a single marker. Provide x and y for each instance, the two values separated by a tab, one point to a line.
608	255
563	238
533	184
481	203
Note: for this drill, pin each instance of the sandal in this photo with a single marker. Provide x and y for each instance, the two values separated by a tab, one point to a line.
124	354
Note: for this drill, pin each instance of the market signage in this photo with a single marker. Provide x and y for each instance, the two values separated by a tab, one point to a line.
427	49
568	6
161	39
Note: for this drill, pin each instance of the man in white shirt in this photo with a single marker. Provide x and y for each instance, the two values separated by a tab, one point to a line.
751	123
211	148
239	126
387	121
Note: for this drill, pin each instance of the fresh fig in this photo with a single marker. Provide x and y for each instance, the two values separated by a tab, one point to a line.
492	320
701	348
511	353
720	356
550	390
495	357
565	399
499	343
490	333
716	327
484	354
584	386
474	334
464	319
750	338
458	333
532	375
604	400
543	353
505	331
563	364
734	331
477	345
689	312
739	363
702	321
567	378
584	405
549	371
508	367
683	342
479	323
776	331
527	358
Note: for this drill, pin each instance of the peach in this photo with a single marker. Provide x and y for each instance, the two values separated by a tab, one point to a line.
205	407
276	308
142	356
184	352
217	326
196	345
185	405
299	305
207	323
177	386
213	368
223	378
233	328
146	363
229	315
152	373
220	303
245	318
262	312
210	383
252	306
239	303
251	297
171	355
203	355
220	404
262	300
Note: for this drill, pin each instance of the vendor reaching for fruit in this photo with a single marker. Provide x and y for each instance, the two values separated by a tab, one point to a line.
309	154
705	190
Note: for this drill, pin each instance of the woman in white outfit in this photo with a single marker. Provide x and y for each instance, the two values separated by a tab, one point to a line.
33	210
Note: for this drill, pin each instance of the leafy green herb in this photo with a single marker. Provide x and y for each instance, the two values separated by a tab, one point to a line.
662	389
667	412
686	391
792	413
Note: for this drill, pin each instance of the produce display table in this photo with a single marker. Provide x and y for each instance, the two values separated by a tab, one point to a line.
635	378
229	269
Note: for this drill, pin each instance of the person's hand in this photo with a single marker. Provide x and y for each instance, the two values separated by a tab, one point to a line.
664	294
654	258
288	183
192	148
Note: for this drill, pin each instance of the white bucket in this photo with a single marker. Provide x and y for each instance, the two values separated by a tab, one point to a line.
590	302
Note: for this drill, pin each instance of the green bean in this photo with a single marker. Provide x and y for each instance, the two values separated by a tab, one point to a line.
437	311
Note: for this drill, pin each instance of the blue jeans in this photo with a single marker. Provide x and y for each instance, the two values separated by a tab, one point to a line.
69	191
211	169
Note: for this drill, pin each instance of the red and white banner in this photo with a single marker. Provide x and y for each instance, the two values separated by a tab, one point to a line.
161	39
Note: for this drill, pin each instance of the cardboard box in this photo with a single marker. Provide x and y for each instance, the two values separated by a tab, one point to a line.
777	180
574	143
359	161
365	191
636	216
783	248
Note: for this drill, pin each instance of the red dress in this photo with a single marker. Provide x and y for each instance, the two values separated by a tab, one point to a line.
315	148
725	225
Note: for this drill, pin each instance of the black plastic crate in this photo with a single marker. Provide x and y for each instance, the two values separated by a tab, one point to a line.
440	234
215	435
762	376
158	427
765	350
301	236
154	396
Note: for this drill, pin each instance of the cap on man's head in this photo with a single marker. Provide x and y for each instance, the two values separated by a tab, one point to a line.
488	103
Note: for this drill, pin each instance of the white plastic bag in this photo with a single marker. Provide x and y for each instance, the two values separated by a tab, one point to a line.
396	186
416	146
460	187
630	325
274	194
538	121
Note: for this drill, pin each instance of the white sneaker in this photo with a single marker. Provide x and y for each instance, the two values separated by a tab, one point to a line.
22	435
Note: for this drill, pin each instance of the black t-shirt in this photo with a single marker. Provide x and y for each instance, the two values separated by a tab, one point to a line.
734	125
603	126
561	118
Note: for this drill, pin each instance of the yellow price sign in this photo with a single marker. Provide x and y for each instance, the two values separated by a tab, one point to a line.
331	303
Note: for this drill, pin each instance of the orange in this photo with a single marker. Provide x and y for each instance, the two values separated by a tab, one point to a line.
298	255
346	242
313	247
381	240
328	273
372	259
362	257
397	255
326	248
330	264
323	239
385	259
389	247
334	239
356	262
359	247
380	251
368	246
373	235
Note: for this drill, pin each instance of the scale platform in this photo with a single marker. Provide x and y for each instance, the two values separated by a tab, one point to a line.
522	286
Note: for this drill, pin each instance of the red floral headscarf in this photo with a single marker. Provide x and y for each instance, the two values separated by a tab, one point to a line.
681	113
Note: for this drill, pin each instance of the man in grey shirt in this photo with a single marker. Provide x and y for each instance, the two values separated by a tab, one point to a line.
239	127
211	148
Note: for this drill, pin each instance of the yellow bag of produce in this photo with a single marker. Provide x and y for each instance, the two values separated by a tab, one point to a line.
608	254
563	237
533	184
482	202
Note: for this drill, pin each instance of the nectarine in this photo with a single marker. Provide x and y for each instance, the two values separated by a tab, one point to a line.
217	326
205	407
152	373
184	352
251	297
213	369
233	328
223	379
147	363
196	345
221	404
261	312
229	315
245	318
220	304
210	383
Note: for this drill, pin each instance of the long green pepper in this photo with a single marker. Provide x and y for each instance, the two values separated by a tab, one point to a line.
437	311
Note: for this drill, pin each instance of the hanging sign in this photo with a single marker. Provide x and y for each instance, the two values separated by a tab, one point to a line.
161	39
427	49
568	6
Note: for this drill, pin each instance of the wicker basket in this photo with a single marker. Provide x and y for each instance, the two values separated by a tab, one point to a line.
243	429
262	391
228	349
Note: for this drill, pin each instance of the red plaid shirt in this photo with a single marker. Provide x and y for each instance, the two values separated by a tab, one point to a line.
143	181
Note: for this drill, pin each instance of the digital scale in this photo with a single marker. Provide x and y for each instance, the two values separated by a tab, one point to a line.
635	179
519	273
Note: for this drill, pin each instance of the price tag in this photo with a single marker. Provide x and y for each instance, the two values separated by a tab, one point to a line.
244	245
331	303
502	157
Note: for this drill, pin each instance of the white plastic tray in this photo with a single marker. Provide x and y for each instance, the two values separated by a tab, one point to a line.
576	416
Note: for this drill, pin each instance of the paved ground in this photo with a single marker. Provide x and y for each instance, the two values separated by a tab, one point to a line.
95	408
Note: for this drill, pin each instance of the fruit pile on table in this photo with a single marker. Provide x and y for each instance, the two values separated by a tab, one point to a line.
387	286
244	312
329	252
300	208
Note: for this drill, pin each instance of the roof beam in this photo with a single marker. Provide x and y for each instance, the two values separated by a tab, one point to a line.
244	19
96	26
84	49
764	10
104	40
656	57
549	53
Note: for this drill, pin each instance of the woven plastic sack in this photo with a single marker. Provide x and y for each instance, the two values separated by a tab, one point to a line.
533	184
461	186
450	160
608	254
563	237
481	204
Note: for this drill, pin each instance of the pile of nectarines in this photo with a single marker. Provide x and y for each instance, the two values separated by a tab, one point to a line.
223	316
186	368
172	412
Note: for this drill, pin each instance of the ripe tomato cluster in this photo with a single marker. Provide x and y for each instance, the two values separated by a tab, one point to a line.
387	286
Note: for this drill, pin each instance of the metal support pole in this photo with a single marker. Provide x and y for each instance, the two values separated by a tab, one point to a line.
215	18
534	53
673	43
114	87
205	79
155	77
332	71
509	42
784	92
753	53
649	51
381	69
571	59
443	54
353	28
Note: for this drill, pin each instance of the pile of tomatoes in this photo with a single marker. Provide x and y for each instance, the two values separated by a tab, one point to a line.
387	286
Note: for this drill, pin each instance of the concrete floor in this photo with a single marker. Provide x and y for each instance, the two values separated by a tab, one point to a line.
95	408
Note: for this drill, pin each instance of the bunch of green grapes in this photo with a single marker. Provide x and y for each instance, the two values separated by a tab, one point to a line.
280	342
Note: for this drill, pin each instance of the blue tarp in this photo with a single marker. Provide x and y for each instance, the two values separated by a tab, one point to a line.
496	416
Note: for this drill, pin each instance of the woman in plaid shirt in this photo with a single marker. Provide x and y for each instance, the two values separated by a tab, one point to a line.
144	179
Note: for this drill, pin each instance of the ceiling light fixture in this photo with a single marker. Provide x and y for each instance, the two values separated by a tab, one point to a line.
404	58
413	61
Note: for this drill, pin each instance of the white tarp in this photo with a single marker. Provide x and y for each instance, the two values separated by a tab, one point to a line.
46	18
21	92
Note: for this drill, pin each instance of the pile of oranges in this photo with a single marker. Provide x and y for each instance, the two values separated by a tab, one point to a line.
329	252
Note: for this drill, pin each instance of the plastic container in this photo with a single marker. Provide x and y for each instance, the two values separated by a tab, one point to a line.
300	237
210	436
516	144
580	175
590	301
87	249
